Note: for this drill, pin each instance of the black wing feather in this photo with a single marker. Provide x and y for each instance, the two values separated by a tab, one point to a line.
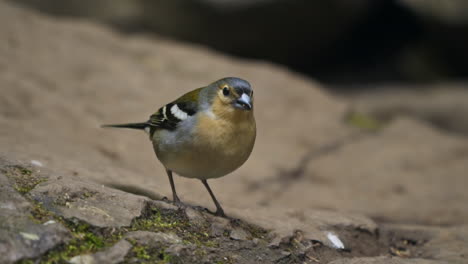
164	119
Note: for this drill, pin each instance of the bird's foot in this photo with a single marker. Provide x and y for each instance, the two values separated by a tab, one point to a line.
177	202
220	212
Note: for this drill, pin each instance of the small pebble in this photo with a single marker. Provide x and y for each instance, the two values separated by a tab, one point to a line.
239	234
37	163
50	222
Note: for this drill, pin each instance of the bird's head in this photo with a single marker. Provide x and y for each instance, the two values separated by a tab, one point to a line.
234	92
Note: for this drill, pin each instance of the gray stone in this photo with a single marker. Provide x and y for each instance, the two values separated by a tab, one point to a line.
194	216
115	254
82	259
112	255
239	234
95	204
20	236
149	238
179	249
219	226
217	229
162	205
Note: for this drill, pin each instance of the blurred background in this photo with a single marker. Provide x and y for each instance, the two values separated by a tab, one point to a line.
385	55
340	42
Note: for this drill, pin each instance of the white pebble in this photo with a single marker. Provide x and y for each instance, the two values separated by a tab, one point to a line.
335	240
82	259
37	163
50	222
29	236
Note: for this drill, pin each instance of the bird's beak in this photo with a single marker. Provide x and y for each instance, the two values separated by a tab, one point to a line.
244	102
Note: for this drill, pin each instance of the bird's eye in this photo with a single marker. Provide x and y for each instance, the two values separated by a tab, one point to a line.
226	91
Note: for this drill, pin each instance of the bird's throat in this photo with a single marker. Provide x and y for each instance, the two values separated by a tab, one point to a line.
227	112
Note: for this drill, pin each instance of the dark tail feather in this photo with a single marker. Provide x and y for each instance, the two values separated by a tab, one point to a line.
129	125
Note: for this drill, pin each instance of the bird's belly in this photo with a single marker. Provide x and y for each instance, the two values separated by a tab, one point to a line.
201	164
205	156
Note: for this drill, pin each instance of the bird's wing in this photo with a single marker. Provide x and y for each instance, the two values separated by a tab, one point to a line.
170	115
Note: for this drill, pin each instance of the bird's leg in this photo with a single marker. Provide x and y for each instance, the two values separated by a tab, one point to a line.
219	210
175	198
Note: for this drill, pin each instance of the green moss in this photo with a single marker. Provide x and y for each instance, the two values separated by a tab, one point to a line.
40	214
155	223
165	258
253	230
25	171
257	232
83	242
141	253
77	246
24	178
225	260
199	239
158	220
88	194
363	121
85	238
161	220
211	243
145	254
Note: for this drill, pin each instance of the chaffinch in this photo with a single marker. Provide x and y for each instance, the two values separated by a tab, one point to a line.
206	133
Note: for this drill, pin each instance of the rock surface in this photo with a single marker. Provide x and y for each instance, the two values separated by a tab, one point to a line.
317	186
112	255
148	238
22	236
96	205
167	234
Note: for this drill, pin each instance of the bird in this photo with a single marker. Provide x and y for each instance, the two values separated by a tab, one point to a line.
206	133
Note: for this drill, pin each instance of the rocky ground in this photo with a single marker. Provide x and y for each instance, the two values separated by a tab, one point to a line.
329	181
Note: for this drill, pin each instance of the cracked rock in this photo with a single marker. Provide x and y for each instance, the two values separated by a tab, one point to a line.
219	226
179	249
20	235
114	254
95	204
194	216
149	238
239	234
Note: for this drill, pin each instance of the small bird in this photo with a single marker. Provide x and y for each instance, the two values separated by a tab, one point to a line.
206	133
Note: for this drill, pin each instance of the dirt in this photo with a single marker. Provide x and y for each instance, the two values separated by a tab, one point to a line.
388	190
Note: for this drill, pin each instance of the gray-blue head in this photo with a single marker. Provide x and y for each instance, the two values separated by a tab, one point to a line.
234	91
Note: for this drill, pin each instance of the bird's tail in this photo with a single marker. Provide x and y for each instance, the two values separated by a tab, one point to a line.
140	126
